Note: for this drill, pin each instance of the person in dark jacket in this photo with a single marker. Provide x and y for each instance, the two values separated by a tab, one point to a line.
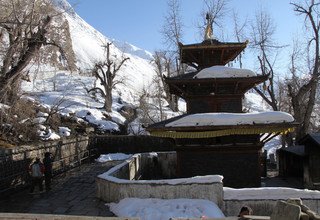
36	171
47	161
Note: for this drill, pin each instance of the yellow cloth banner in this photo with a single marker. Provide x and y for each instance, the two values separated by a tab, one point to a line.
219	133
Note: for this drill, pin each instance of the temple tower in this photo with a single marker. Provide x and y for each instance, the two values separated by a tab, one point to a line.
216	136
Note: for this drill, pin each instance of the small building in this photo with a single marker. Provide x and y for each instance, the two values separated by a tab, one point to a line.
291	161
302	161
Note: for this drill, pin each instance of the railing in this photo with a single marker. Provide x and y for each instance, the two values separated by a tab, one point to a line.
60	166
14	173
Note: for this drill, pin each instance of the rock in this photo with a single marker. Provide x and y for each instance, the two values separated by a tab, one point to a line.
285	211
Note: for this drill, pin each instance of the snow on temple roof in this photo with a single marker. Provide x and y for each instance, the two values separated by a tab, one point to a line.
215	119
224	72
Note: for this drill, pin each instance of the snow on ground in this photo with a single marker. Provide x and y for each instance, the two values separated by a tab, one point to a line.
67	92
215	119
87	42
253	102
160	209
273	145
223	72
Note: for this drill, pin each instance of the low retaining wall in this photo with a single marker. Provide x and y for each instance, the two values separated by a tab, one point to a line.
263	200
120	182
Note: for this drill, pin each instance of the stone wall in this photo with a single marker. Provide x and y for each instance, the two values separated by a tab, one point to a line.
131	144
118	183
60	149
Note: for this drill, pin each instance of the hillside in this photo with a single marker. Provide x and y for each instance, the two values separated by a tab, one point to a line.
54	87
84	47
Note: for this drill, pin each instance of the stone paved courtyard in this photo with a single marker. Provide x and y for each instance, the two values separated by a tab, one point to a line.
73	193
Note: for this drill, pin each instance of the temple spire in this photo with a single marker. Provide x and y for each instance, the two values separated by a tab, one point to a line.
208	35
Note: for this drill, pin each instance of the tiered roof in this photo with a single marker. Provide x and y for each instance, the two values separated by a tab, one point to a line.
214	92
208	125
210	53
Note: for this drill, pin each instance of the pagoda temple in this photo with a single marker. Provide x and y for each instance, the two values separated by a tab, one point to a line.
216	136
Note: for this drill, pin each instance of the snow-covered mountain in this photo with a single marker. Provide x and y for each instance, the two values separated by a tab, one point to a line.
54	86
86	49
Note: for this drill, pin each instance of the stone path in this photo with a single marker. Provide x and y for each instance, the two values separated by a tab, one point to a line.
73	193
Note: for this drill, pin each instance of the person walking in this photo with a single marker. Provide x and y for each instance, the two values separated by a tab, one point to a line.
47	161
36	171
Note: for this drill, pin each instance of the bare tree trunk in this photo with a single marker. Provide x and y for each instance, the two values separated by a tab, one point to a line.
106	72
9	77
303	97
108	98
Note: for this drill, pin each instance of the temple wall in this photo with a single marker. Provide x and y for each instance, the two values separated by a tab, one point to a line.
239	165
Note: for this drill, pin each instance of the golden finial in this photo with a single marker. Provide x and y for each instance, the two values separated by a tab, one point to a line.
208	32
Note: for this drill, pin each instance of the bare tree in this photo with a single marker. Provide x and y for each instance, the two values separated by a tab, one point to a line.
164	64
151	105
168	60
303	95
239	32
24	26
212	13
106	72
172	27
262	31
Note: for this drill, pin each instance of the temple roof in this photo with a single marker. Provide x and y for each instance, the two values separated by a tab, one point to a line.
208	125
187	84
210	53
192	78
313	138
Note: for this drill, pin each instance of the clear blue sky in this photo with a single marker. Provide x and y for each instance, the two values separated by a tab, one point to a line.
139	22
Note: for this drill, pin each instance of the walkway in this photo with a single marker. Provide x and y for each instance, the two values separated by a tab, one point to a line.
273	180
73	193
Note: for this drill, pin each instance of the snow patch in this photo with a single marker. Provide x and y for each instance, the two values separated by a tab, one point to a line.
161	209
64	131
274	193
224	72
112	157
215	119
